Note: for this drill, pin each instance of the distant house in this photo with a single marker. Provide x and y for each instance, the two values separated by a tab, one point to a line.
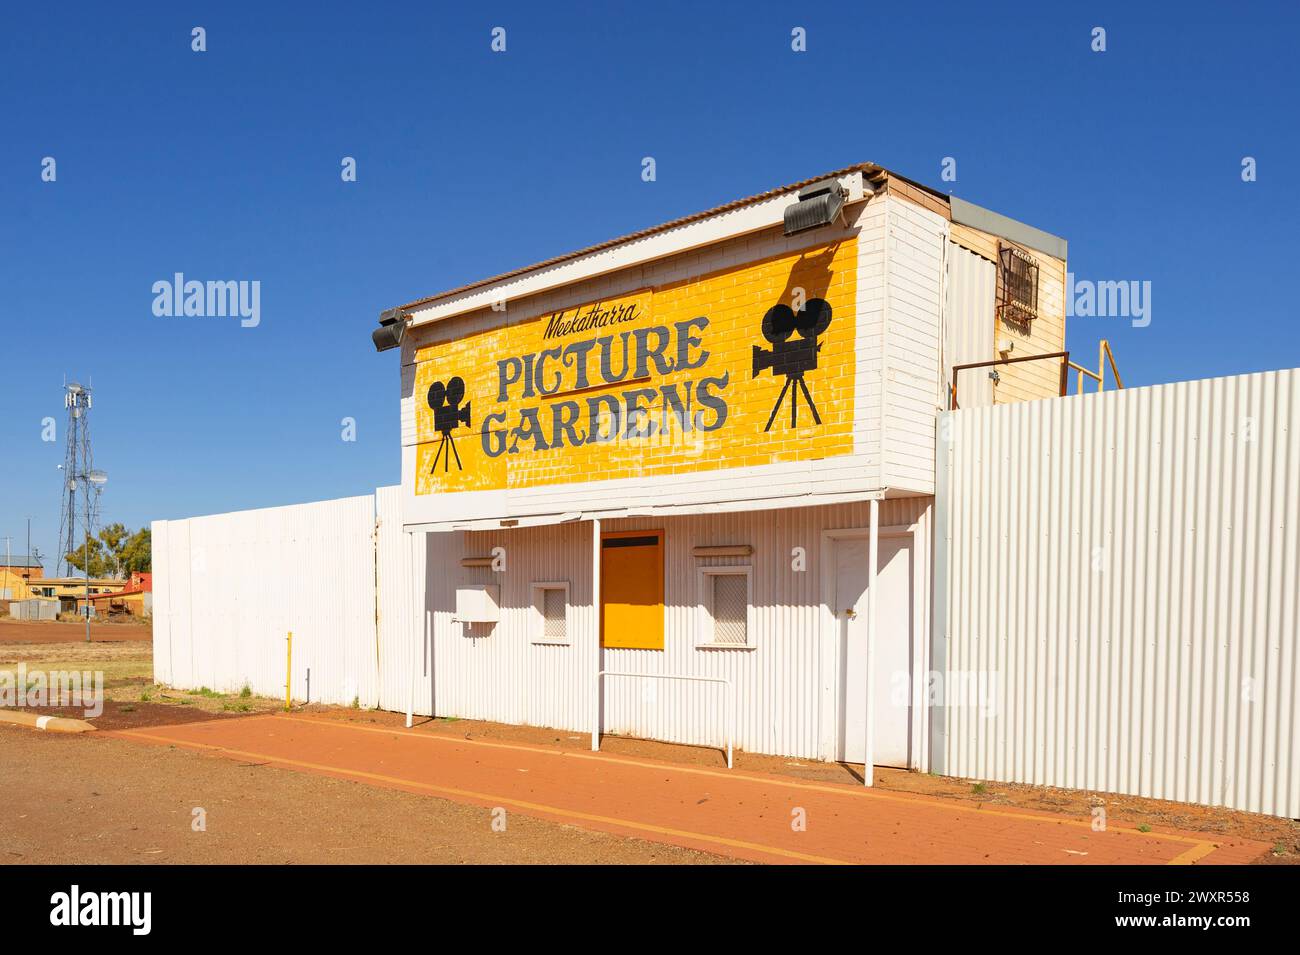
12	585
69	588
25	567
23	579
134	599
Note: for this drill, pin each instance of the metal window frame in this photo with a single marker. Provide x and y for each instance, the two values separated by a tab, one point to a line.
704	607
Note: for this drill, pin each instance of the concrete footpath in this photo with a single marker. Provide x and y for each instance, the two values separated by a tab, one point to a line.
763	818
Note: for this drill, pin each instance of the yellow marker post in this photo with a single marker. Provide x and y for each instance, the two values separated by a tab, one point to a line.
288	672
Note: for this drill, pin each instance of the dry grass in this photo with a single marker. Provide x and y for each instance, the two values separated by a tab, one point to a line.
128	675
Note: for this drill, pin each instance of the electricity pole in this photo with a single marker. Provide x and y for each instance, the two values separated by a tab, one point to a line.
87	559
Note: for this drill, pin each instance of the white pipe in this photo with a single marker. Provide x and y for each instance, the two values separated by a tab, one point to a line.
873	560
596	616
728	700
416	621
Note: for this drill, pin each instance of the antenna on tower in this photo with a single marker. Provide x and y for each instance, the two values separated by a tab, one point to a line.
77	468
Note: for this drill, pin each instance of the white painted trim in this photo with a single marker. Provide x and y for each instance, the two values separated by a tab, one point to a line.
886	307
704	606
693	235
665	510
937	743
537	625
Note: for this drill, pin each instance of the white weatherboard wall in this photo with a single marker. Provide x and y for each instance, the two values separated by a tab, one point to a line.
783	704
228	588
1127	565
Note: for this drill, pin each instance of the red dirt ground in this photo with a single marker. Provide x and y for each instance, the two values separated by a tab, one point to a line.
93	799
745	815
53	631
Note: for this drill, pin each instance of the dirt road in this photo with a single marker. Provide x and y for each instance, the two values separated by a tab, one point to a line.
94	799
762	818
135	793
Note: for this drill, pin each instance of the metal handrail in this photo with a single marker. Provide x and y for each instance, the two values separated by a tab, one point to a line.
1110	357
1062	356
728	702
1105	356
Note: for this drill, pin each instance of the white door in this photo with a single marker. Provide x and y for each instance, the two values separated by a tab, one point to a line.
893	657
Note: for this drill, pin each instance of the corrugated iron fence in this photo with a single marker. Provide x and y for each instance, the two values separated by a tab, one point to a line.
1117	592
229	588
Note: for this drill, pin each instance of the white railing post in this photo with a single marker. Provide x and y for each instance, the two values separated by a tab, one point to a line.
597	612
416	621
869	727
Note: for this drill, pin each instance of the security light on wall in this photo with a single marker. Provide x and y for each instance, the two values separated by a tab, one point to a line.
392	326
819	204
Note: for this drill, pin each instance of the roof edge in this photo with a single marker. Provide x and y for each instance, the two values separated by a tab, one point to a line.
870	172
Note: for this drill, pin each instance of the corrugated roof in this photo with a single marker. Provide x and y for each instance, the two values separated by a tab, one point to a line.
870	171
20	560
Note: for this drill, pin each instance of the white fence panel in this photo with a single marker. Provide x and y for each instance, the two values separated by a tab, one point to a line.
1121	569
230	587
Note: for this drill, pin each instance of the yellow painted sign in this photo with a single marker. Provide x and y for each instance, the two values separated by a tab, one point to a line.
750	366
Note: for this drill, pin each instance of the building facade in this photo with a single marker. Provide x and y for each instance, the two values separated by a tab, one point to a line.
656	482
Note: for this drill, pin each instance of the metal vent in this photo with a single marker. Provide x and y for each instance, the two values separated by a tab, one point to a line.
730	606
1017	286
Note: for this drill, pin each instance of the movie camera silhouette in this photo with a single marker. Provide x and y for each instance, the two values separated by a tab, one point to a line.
792	357
447	416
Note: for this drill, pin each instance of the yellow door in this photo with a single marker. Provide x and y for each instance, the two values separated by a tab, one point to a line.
632	589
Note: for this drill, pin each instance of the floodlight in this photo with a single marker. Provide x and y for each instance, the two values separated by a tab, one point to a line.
818	205
392	326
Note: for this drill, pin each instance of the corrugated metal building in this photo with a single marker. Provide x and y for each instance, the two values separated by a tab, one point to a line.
701	484
683	459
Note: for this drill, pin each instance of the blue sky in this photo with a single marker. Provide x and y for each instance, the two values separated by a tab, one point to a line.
225	165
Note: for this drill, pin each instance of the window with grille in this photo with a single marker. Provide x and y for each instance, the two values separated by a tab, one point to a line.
725	619
551	612
1017	286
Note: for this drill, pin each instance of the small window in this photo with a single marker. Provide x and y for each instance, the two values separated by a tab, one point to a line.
551	612
726	620
1017	286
